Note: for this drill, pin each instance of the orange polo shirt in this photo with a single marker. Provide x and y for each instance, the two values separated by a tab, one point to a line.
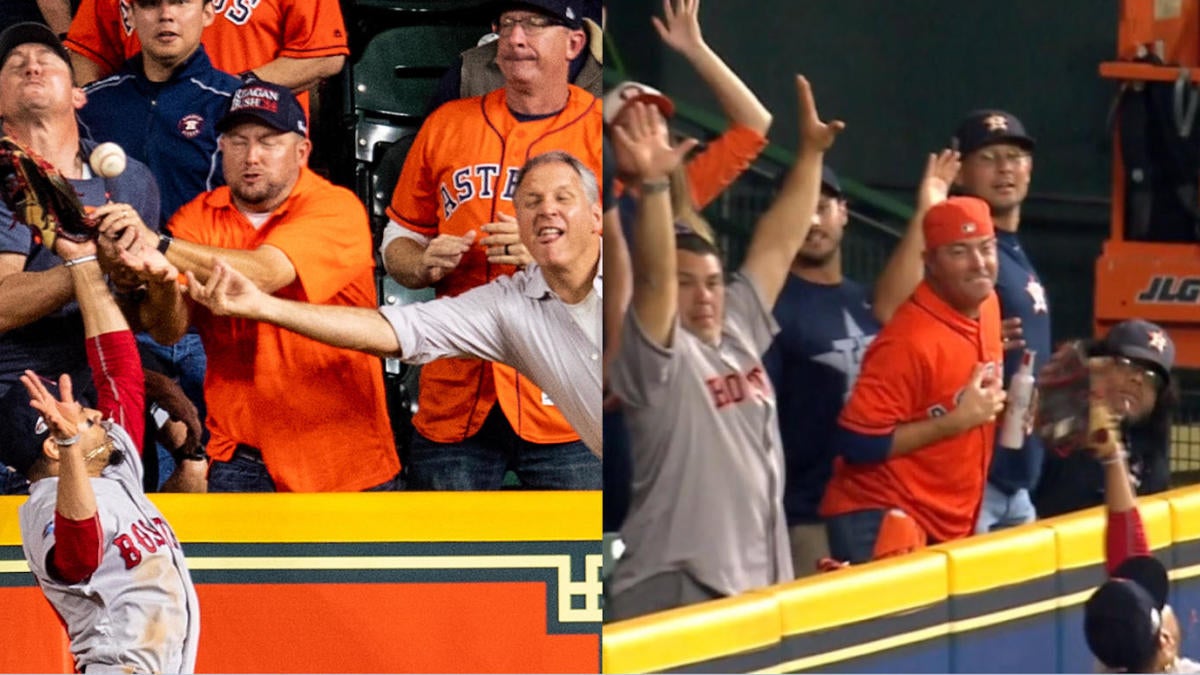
460	175
916	369
317	413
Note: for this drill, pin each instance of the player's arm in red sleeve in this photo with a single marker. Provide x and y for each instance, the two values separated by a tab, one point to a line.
95	41
1124	536
314	46
414	207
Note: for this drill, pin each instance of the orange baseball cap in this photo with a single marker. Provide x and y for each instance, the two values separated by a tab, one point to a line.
956	219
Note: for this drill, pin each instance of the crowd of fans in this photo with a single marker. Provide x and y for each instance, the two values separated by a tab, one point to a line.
785	420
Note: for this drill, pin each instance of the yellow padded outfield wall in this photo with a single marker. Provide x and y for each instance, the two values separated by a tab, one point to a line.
370	582
1005	602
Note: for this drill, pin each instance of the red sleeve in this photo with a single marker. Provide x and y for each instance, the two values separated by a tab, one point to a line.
120	384
76	552
887	390
1124	538
719	164
96	32
313	29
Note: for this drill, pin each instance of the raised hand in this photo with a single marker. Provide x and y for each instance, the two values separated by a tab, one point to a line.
444	254
122	226
642	146
940	171
227	293
62	415
681	29
815	135
982	399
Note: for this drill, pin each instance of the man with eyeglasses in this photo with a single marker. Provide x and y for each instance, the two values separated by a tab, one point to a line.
997	164
102	553
452	228
1131	368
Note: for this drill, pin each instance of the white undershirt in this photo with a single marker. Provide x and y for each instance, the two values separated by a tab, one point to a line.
256	219
587	314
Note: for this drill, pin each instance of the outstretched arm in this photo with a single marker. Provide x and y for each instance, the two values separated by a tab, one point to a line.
1124	535
782	229
680	30
227	292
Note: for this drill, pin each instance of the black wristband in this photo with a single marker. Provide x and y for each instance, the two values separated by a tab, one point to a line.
164	243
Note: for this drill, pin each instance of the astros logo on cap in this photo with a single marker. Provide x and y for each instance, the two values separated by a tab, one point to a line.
1158	341
996	123
969	228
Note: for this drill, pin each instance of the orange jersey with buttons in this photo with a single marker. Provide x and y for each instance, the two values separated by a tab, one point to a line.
245	35
916	369
460	175
317	413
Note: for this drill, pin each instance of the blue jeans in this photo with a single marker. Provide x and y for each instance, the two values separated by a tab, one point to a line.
243	474
1000	510
188	362
480	462
852	535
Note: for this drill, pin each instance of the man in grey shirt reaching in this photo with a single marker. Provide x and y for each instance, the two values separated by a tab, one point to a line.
544	321
706	519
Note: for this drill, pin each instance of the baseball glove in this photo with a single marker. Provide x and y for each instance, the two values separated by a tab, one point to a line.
40	197
1064	400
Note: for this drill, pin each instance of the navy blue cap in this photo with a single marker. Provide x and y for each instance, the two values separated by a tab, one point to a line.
1144	341
31	31
21	437
268	103
569	12
829	181
982	128
1122	619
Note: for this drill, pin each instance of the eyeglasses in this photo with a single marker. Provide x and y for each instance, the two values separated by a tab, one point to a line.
1150	375
1001	157
532	24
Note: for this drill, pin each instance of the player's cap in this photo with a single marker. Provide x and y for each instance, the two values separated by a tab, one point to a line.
629	91
829	182
956	219
982	128
569	12
1122	618
266	102
21	434
1144	341
30	31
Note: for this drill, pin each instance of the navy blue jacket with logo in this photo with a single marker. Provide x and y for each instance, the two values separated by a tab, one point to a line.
169	126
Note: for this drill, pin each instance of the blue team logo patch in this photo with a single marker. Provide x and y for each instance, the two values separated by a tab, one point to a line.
48	530
191	125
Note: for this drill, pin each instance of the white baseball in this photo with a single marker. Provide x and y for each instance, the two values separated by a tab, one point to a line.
108	160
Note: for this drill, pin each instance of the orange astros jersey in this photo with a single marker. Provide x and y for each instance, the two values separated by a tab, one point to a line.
915	370
246	33
460	175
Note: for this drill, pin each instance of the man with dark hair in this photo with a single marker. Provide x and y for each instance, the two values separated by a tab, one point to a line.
826	323
1132	365
706	519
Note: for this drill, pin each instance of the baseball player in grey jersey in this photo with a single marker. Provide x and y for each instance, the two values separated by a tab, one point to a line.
102	553
707	516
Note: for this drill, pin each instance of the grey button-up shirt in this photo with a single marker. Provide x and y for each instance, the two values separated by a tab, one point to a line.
518	321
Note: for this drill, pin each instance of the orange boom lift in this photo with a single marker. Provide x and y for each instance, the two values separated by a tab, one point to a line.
1158	281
